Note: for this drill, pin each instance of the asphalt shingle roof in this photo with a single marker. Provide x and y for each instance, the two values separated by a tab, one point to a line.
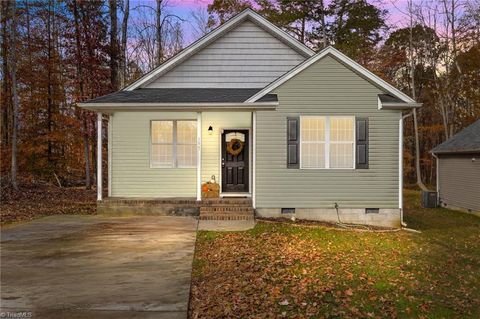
467	140
182	95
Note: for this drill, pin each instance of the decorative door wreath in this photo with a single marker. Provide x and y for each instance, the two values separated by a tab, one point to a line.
235	146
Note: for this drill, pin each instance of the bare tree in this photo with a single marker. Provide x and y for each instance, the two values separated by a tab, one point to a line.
413	92
158	39
200	22
445	17
114	46
6	85
158	28
13	76
323	26
86	143
123	42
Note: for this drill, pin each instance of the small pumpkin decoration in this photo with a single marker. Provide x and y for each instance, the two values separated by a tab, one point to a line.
204	188
235	146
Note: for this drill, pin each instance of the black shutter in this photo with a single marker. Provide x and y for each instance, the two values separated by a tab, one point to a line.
293	140
361	143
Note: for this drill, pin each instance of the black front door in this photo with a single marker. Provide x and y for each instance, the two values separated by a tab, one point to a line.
235	161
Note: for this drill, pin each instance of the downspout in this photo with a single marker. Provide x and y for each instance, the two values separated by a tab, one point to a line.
400	168
437	177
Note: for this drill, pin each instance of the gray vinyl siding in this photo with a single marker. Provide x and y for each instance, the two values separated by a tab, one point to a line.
459	181
131	175
245	57
327	88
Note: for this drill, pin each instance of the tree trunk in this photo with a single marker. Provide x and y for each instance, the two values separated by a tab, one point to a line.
302	32
323	26
159	32
6	81
93	150
123	48
417	153
13	56
86	150
114	49
81	93
50	105
412	87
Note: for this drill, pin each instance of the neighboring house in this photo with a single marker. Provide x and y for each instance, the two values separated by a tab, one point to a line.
458	170
321	135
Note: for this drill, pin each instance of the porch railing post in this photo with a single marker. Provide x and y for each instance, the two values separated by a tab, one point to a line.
254	157
199	156
99	156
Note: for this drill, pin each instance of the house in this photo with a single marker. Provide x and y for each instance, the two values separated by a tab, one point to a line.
291	131
458	170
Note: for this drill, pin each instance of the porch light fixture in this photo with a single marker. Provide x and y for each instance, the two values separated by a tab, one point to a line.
210	130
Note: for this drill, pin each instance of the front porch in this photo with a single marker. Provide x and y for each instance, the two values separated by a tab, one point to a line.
226	208
145	171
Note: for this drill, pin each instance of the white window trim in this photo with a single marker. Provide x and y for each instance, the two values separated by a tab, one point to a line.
174	144
327	142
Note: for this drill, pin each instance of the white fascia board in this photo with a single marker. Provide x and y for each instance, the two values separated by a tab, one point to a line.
218	32
342	58
399	106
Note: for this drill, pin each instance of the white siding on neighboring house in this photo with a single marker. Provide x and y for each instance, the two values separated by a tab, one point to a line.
245	57
459	181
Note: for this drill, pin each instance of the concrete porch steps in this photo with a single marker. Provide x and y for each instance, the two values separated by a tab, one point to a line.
227	209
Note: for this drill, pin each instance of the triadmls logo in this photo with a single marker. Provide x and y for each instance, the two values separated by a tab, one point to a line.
19	314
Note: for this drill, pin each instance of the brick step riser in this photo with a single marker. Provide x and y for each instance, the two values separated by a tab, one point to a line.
228	206
227	209
234	215
209	212
227	217
226	202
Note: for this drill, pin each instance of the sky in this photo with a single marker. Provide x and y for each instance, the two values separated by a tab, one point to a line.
183	8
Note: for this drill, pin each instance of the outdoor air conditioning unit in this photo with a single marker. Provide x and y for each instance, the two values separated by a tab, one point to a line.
429	199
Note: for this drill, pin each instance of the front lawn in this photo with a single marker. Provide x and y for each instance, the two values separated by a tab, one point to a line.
278	270
37	200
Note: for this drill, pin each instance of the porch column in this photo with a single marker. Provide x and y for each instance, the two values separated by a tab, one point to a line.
199	156
99	156
254	155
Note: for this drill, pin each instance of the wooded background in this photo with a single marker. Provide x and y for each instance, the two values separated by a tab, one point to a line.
55	54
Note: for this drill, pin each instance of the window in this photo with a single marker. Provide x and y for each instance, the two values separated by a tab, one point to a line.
313	142
327	142
341	142
174	144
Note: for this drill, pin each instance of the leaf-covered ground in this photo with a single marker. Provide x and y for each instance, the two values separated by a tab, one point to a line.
35	201
279	270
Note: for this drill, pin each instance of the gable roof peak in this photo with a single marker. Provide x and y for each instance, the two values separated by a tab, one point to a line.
342	58
210	37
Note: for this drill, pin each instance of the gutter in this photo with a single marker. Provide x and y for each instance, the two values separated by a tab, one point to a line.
401	105
177	106
436	177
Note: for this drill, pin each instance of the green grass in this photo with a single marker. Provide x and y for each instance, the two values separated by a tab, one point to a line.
304	272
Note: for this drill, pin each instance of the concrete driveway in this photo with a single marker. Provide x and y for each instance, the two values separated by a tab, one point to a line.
98	267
